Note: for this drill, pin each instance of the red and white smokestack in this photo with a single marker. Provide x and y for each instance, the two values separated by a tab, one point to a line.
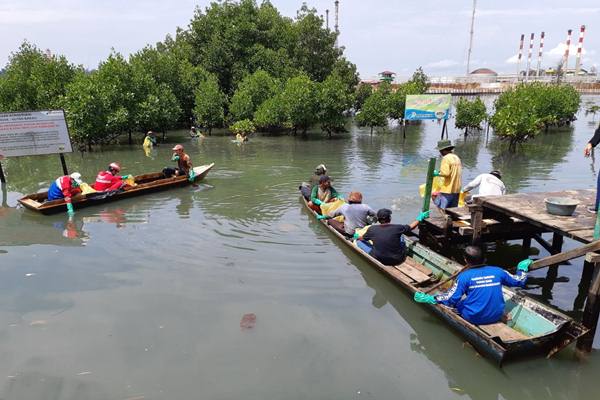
540	52
529	57
566	56
579	48
520	55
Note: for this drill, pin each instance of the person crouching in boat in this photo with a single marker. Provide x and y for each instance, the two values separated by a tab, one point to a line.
355	215
66	187
322	193
184	164
306	187
388	245
109	180
482	286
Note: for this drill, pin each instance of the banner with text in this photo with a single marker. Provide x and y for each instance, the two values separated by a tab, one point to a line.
33	133
427	106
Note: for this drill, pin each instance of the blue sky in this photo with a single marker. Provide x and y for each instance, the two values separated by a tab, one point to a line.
377	34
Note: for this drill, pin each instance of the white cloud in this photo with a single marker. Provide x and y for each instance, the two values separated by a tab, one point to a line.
445	63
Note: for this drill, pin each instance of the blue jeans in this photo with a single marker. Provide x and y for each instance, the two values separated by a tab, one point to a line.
364	246
446	200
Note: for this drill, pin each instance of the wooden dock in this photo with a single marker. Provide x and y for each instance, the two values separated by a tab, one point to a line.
523	216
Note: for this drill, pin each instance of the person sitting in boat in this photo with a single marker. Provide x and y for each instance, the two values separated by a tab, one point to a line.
322	193
109	180
150	140
355	215
65	188
482	286
388	245
184	164
306	187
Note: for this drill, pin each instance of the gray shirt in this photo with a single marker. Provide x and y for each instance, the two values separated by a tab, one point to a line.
355	216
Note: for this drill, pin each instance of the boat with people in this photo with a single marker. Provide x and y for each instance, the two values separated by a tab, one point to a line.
527	328
142	184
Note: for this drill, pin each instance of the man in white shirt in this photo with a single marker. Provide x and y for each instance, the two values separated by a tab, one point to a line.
489	184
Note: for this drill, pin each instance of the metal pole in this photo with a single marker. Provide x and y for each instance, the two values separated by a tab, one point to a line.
327	19
529	58
520	56
337	12
64	164
566	55
471	38
579	48
540	52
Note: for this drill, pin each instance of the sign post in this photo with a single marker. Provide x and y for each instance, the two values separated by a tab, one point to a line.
428	106
32	133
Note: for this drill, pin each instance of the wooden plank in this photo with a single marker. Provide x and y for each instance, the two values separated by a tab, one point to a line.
410	261
412	272
396	274
565	256
592	258
503	331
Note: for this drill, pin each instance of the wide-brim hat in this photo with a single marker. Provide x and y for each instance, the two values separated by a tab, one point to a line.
76	176
444	145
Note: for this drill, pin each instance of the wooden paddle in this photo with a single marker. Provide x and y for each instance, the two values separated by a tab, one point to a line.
541	263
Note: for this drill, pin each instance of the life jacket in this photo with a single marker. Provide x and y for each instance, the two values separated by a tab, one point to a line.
107	181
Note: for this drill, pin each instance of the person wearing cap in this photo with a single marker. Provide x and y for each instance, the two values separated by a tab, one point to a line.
65	188
477	291
184	164
451	171
306	187
355	215
322	193
388	245
150	140
109	180
489	185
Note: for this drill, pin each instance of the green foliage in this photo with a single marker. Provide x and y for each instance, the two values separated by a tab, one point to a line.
374	111
244	127
470	114
299	102
251	93
333	100
271	114
159	111
396	101
592	109
420	81
210	101
363	91
522	111
34	81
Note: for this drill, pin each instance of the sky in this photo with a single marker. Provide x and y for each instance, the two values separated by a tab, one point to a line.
377	34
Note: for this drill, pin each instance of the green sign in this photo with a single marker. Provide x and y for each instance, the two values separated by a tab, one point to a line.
427	106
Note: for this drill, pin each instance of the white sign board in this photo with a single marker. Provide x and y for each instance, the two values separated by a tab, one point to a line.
33	133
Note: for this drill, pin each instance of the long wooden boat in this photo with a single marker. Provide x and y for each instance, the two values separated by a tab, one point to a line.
146	183
529	327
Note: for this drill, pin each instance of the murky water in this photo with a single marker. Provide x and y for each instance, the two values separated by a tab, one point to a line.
152	297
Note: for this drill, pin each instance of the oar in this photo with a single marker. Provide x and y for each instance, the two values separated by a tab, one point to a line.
541	263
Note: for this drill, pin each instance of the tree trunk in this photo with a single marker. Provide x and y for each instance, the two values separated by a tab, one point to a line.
210	131
89	145
371	131
130	140
466	131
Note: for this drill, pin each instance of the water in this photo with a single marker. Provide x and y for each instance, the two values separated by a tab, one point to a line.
143	298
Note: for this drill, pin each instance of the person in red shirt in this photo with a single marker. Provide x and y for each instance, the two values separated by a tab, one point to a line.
65	187
109	180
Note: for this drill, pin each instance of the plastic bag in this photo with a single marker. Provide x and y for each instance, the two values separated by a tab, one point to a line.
86	189
130	181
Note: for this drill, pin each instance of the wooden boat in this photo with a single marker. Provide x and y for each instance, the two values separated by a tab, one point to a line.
531	328
146	183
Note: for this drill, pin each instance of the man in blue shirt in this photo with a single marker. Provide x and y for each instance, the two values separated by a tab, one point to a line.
482	287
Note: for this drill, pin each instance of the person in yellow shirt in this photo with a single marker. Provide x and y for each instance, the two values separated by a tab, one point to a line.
451	171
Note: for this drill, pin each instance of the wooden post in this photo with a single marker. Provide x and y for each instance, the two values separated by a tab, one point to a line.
584	285
445	129
64	164
526	246
2	178
428	184
476	221
557	243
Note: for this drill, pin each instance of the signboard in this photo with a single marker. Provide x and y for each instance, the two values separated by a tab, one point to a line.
427	106
32	133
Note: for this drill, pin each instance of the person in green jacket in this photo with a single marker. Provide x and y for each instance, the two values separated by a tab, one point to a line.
322	193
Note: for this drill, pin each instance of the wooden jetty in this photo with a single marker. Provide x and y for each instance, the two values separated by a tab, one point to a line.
524	217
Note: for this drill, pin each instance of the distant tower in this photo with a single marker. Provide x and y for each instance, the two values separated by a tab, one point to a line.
529	57
540	52
327	19
565	63
337	15
579	48
471	38
520	55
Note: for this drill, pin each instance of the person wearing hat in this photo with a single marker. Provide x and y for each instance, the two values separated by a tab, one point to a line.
65	188
489	184
109	180
150	140
306	187
355	215
450	170
322	193
388	245
184	164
